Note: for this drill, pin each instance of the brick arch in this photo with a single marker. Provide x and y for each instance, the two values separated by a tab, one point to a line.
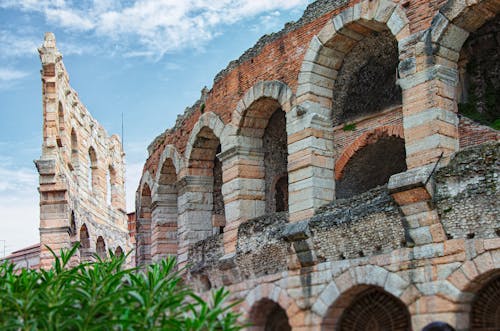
145	179
363	276
474	273
327	50
207	120
456	19
276	91
362	141
270	292
170	152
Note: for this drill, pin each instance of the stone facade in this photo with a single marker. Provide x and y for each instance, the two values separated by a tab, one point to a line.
82	171
391	196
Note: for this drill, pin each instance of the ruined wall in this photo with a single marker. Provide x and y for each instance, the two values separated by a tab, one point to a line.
319	269
81	169
469	208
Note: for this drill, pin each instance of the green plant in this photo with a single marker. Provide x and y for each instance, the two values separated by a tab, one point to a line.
103	295
349	127
202	108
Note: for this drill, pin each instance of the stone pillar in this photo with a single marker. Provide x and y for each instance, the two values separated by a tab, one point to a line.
54	213
310	160
429	115
164	223
413	190
243	188
195	213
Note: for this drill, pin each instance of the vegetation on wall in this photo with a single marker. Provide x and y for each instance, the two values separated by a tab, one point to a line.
104	295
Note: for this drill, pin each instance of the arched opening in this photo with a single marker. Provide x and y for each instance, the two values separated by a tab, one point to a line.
267	315
60	124
74	149
100	247
366	80
367	309
378	158
143	237
165	213
485	311
111	187
265	121
72	224
205	164
92	170
275	158
478	92
84	237
118	251
85	252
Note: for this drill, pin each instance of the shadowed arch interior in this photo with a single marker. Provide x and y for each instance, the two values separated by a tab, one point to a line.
100	247
367	308
372	165
485	312
479	69
267	315
366	81
143	241
84	237
265	120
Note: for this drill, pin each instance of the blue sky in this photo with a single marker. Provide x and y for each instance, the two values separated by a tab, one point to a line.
147	59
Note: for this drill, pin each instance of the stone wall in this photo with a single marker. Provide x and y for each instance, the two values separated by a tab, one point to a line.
318	269
467	194
81	169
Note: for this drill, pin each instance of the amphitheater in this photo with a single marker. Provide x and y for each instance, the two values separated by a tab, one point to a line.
329	178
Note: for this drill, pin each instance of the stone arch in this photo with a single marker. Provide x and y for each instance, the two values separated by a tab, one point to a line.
474	281
61	125
370	161
164	211
118	251
261	122
269	293
455	20
74	149
170	152
354	281
327	50
274	90
207	120
143	224
100	247
72	224
93	181
84	237
268	315
204	175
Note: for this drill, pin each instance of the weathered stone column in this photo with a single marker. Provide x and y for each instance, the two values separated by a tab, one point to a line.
195	213
143	242
243	188
54	213
429	114
164	223
310	160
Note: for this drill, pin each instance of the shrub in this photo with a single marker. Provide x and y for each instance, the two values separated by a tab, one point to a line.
103	295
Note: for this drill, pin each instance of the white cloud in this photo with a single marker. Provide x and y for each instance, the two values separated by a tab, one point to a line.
158	26
7	74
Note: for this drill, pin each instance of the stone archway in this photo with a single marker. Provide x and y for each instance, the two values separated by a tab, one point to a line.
370	161
143	226
485	312
267	315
